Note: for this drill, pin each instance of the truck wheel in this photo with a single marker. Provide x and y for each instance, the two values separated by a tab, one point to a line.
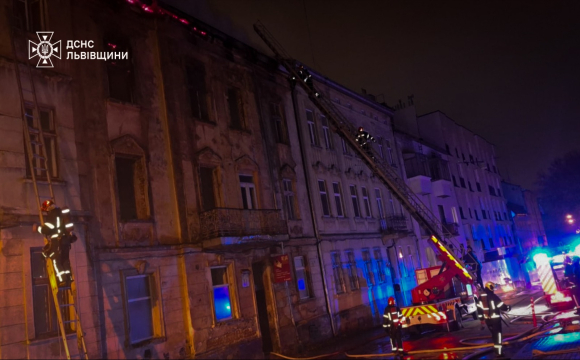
415	332
454	324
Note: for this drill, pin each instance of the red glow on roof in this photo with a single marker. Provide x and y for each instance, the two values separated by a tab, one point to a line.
147	8
112	45
184	21
158	10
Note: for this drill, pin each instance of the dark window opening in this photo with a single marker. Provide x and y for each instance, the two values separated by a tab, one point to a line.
207	188
197	90
29	14
119	71
236	108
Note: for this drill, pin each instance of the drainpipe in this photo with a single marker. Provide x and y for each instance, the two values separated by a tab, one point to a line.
311	205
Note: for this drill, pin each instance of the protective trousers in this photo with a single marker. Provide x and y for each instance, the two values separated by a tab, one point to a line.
396	335
576	298
495	327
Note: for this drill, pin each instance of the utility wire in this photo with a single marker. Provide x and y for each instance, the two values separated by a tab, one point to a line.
309	35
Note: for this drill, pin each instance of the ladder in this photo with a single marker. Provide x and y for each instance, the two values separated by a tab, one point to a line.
347	131
38	165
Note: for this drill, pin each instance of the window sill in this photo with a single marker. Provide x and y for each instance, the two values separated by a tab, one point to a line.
314	146
137	221
242	131
39	181
124	103
228	322
306	301
47	339
155	340
205	122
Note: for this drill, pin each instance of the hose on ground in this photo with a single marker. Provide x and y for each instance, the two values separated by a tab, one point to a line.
536	352
306	358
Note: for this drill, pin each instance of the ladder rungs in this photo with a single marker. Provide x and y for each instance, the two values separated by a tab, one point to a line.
66	305
35	142
69	321
29	115
33	130
41	169
64	288
38	156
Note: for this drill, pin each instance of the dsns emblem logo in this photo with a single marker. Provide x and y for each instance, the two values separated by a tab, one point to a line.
44	49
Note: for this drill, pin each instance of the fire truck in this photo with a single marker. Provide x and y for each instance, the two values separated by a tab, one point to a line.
557	288
441	297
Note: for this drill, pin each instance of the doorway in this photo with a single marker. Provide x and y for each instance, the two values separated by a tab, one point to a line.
262	305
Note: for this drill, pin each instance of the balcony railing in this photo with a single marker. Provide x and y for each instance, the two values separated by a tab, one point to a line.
221	222
397	223
451	229
417	165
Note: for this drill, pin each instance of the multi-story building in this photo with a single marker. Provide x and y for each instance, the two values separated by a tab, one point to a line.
196	177
427	173
477	183
525	211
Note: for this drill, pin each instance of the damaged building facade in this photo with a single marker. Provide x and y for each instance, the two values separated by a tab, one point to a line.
192	170
218	213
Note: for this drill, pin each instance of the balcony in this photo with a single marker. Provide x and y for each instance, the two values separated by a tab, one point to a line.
450	229
420	184
442	188
393	227
254	225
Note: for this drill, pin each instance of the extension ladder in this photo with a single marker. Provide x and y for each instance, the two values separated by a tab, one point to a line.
37	155
421	213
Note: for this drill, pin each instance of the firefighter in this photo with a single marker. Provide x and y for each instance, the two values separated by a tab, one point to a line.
307	78
57	229
471	259
393	325
363	138
489	308
576	281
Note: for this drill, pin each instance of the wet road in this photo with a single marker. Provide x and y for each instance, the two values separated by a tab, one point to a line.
441	339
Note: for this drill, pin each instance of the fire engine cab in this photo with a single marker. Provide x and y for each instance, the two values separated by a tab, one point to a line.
555	283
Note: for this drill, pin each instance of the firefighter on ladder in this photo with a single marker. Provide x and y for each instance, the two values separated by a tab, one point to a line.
307	78
57	229
393	325
489	308
363	138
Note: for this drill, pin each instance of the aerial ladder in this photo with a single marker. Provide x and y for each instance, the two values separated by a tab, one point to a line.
35	147
453	268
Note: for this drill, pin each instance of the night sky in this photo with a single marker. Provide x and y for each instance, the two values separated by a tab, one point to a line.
508	71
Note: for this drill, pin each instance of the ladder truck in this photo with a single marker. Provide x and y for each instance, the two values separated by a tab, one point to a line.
433	303
64	296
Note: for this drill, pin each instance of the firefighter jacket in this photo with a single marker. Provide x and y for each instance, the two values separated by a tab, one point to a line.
489	306
364	138
392	318
56	223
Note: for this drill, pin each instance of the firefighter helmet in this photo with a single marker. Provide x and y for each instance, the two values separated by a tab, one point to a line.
361	129
391	301
567	260
490	286
47	205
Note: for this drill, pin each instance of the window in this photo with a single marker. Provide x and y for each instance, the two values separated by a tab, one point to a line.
461	212
248	192
352	272
289	199
498	192
370	275
380	146
454	214
392	203
207	188
462	181
366	202
354	198
470	214
381	276
326	131
469	184
301	277
138	289
338	275
119	71
483	214
324	198
131	188
338	199
447	149
410	263
380	203
476	216
236	108
389	152
312	128
30	14
454	181
478	185
279	120
344	147
491	245
491	190
45	321
49	131
196	89
222	300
